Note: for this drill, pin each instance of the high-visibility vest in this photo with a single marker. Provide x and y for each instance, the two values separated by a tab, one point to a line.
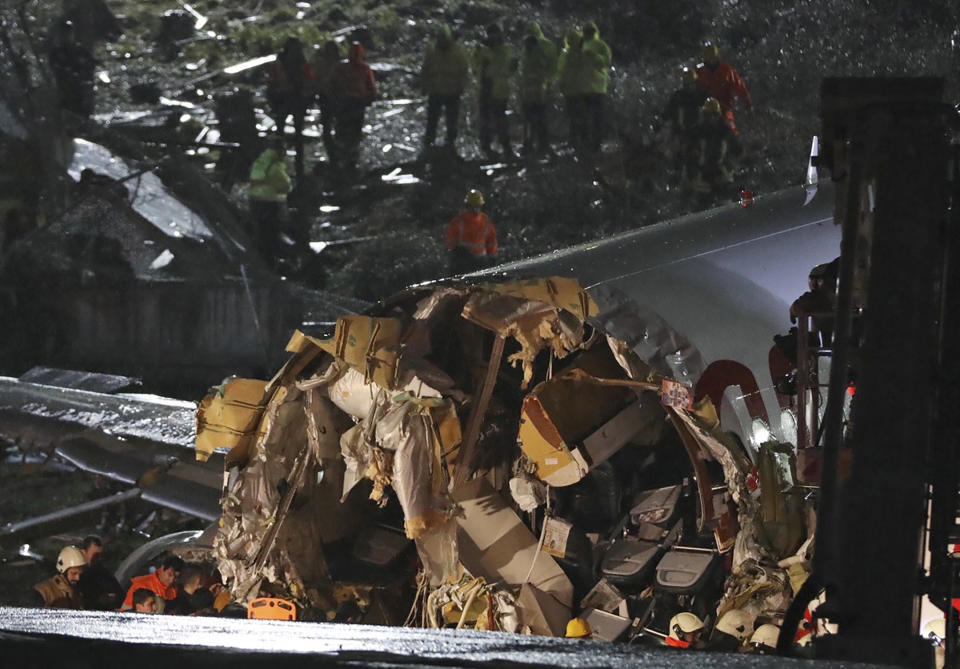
474	232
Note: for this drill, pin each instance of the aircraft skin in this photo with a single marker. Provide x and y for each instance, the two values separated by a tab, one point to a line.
712	286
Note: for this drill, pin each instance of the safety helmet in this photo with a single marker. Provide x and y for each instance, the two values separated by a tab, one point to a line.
711	106
684	623
709	52
766	635
935	628
737	623
688	75
578	628
70	557
474	198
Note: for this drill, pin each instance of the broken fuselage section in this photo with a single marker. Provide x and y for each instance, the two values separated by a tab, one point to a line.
491	457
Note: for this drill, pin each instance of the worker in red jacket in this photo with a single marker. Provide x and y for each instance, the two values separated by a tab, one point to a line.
160	582
721	81
471	237
352	91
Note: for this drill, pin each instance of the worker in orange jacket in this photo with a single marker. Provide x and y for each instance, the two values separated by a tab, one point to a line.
721	81
160	582
353	89
471	237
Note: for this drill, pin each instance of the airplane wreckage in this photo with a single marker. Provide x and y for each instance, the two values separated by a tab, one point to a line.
503	453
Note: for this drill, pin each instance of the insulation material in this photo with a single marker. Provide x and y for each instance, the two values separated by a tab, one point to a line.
229	415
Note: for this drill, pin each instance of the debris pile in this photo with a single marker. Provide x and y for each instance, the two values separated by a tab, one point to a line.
490	457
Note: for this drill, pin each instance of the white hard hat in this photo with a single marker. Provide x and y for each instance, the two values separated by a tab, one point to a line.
766	635
686	623
737	623
70	557
935	628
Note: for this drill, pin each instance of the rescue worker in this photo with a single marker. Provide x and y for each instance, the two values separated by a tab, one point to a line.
290	90
494	64
722	82
269	186
681	116
324	66
764	639
160	582
237	122
191	595
97	586
73	67
538	66
574	75
443	76
820	299
144	601
578	628
685	631
354	90
716	148
60	590
731	631
600	60
471	237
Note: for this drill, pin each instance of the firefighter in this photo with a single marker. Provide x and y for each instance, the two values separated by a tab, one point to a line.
731	631
160	582
323	68
681	116
538	65
354	89
600	59
685	631
764	639
60	590
717	146
269	186
290	90
722	82
443	76
494	64
579	629
471	237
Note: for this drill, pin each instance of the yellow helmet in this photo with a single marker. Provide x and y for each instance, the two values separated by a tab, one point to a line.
709	52
686	623
688	75
737	623
766	635
712	107
70	557
474	198
578	628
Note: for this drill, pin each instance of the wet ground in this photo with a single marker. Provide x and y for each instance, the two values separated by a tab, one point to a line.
381	227
102	639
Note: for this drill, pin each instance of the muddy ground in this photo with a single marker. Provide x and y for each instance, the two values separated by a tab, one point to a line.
386	222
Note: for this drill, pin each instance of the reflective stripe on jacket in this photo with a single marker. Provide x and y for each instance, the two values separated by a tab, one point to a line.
474	232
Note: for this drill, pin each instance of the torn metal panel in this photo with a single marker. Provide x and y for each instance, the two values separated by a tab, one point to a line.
495	544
